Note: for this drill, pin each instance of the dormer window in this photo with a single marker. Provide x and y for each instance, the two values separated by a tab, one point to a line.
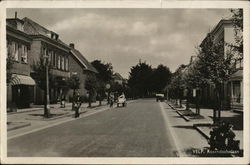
54	36
19	26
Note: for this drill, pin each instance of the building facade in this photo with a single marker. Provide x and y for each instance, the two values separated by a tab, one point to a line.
20	90
29	43
232	90
79	65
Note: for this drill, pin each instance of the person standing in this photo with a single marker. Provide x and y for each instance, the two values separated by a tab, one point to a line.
77	105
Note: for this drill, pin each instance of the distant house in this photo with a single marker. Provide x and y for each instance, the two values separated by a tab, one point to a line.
117	78
80	66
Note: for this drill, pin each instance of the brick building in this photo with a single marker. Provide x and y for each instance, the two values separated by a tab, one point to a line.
28	42
80	66
20	90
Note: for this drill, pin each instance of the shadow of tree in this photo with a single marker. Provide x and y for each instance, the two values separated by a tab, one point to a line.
184	126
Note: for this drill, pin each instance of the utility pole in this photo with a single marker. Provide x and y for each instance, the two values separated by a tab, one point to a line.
47	101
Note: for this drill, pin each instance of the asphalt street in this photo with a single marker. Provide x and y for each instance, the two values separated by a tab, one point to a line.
138	130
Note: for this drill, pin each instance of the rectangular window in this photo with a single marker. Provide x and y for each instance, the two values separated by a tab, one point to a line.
62	63
51	57
24	54
54	59
15	50
66	64
59	62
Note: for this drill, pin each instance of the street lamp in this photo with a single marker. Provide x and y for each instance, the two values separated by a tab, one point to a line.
47	106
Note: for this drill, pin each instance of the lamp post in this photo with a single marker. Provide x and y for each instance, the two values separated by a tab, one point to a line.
47	106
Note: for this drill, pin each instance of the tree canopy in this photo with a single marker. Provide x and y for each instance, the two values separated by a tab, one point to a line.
145	80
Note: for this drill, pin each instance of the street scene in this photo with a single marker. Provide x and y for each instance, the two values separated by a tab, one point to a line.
124	82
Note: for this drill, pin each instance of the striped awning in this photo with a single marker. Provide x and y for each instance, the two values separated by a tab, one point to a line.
21	80
237	75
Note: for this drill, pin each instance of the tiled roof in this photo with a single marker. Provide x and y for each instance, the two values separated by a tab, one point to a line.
33	28
83	60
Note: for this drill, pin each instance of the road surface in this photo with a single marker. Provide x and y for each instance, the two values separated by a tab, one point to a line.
139	130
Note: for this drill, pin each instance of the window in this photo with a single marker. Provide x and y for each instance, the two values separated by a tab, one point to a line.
15	50
51	56
59	62
63	64
24	54
54	59
66	64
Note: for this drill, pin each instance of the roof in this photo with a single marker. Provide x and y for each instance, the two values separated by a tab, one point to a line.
218	26
117	76
238	75
34	29
83	60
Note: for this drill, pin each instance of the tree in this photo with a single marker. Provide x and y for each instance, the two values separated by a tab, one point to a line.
194	79
237	17
103	77
139	79
176	86
9	66
39	75
161	76
74	83
214	66
90	86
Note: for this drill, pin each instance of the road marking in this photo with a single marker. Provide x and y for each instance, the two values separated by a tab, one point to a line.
172	133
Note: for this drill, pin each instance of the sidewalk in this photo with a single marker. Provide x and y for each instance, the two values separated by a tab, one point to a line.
204	122
32	118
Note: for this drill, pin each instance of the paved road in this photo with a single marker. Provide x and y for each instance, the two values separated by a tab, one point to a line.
139	130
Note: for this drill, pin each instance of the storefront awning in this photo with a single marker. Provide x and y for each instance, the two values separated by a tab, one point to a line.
21	80
238	75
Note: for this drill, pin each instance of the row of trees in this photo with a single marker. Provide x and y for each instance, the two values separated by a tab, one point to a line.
144	81
210	67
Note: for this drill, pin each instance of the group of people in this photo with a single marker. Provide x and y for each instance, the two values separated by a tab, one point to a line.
222	137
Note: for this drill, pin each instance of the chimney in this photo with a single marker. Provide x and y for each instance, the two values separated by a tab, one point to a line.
15	15
72	45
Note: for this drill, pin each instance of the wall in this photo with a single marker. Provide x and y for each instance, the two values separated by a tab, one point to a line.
75	66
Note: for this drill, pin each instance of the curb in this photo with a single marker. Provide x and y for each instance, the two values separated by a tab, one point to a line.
12	113
184	117
17	127
196	126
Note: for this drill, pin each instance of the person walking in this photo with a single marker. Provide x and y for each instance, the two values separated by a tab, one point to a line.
77	105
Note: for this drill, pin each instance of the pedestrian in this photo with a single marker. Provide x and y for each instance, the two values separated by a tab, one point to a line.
111	99
77	105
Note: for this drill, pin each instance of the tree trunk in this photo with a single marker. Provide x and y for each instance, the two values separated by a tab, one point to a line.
46	108
90	96
187	103
73	99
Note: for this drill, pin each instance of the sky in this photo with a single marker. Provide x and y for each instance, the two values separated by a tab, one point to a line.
125	36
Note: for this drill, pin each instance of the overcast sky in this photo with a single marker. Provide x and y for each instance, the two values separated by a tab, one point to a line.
123	36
